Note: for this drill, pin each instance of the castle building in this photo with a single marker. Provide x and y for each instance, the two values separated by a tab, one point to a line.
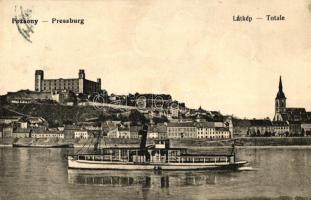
78	85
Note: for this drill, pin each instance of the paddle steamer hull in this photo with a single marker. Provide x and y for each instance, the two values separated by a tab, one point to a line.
102	165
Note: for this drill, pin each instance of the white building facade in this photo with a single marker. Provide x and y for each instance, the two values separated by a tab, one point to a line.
81	134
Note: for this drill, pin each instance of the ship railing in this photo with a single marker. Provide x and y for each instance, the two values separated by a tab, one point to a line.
204	159
191	159
102	158
158	159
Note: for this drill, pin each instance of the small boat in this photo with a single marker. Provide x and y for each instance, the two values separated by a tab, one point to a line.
159	156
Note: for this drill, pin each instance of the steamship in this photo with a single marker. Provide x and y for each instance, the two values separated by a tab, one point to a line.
159	156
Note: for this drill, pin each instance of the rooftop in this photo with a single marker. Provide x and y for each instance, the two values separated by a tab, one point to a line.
279	123
260	122
185	124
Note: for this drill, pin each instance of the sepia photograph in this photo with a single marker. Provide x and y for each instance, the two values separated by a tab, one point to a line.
155	99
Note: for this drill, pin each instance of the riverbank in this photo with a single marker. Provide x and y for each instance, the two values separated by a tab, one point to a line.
186	143
5	142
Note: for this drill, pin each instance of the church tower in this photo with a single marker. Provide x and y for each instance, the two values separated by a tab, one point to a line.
280	102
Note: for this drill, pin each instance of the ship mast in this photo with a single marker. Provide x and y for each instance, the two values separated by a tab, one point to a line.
98	141
143	151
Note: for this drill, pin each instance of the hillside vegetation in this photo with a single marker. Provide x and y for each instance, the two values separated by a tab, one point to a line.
58	115
53	113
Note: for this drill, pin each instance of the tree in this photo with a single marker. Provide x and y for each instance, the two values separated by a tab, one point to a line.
102	118
286	133
67	122
258	133
162	119
71	98
266	134
55	124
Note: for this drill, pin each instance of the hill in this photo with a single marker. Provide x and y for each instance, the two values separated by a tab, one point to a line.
55	114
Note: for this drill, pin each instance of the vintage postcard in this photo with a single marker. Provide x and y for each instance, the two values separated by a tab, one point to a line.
155	99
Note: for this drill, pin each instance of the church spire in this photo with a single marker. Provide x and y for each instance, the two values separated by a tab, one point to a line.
280	103
280	94
280	84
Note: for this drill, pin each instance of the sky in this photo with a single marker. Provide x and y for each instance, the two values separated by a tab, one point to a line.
192	50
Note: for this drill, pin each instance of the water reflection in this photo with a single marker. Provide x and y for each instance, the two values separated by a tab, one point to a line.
144	179
42	174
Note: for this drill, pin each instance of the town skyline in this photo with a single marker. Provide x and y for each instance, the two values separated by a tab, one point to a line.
188	105
211	61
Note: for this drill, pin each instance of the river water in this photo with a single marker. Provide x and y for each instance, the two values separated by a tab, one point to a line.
273	172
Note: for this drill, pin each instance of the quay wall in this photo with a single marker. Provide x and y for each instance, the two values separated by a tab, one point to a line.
273	141
187	143
249	141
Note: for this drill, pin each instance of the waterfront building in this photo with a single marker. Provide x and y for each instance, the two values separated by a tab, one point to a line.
69	131
306	128
113	133
212	130
260	127
295	128
124	132
280	128
91	127
81	134
21	133
79	85
134	131
246	127
48	134
222	133
110	129
204	131
181	130
7	130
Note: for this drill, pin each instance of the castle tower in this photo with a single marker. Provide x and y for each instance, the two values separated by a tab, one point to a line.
81	74
39	76
81	80
99	81
280	102
99	84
